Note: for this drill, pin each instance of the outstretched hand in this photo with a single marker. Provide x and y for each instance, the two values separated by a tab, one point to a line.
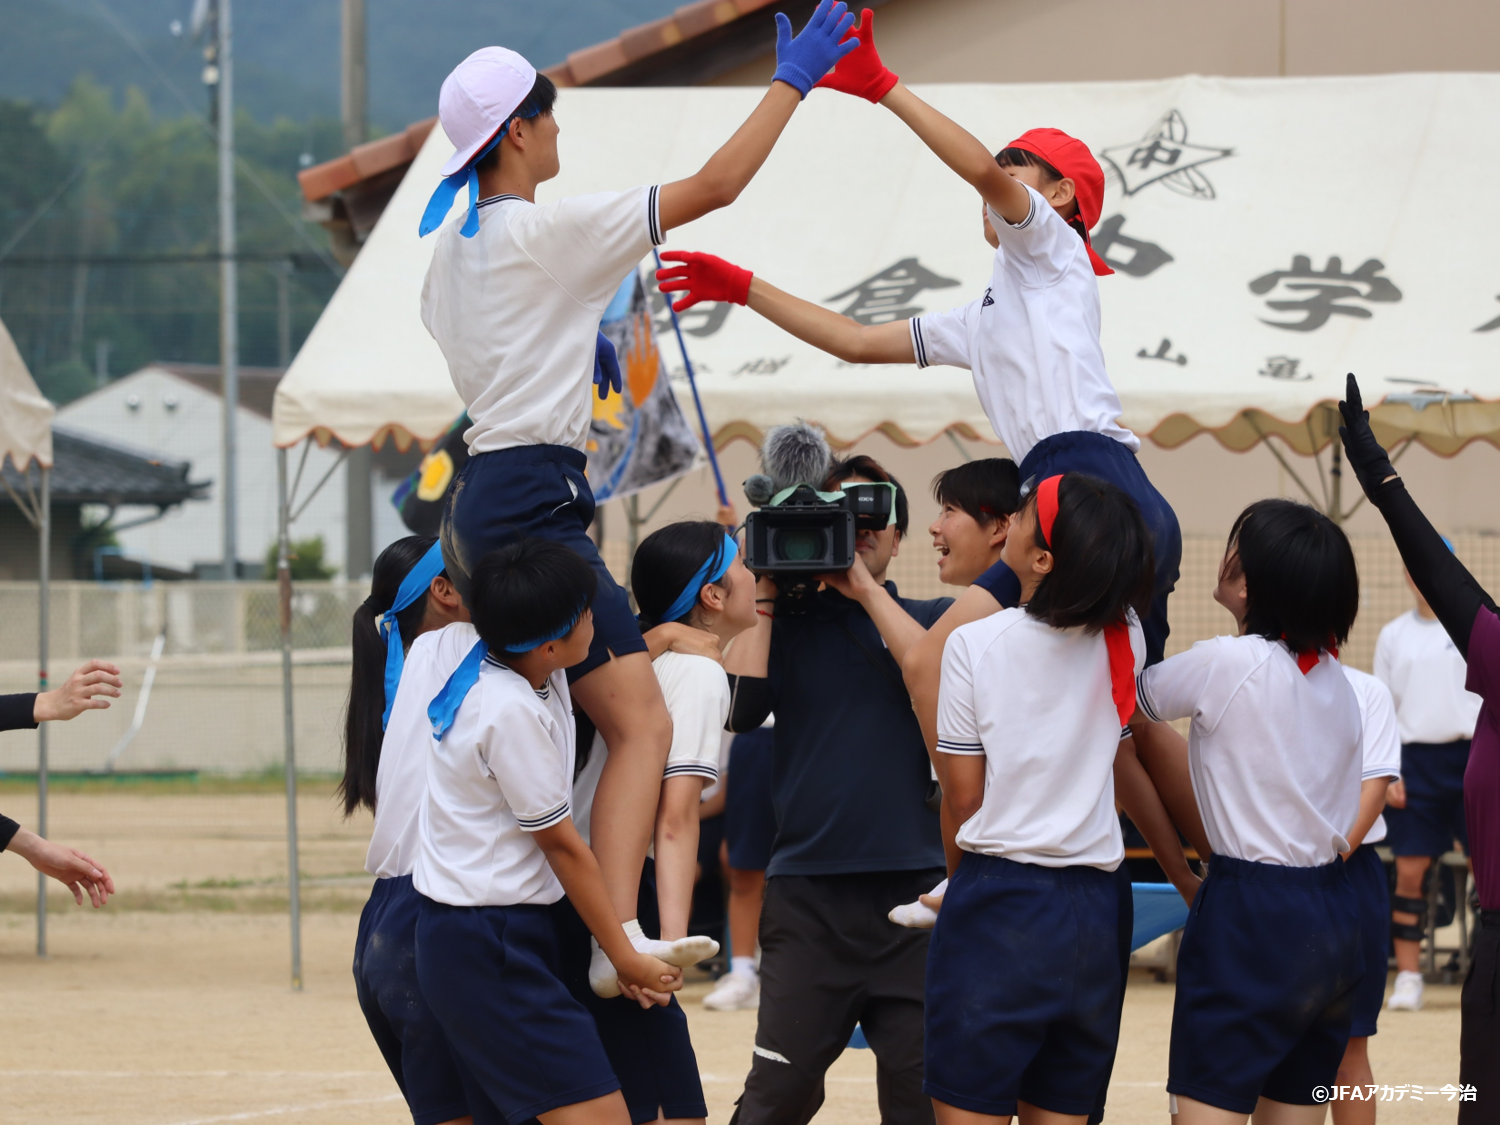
702	277
606	367
803	59
861	71
1366	456
68	866
89	688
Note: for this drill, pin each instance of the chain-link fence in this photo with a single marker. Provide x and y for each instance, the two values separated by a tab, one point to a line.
216	703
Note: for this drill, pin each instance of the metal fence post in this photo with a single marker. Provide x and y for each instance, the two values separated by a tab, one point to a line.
44	561
284	589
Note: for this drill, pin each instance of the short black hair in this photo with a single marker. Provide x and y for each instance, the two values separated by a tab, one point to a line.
1025	158
863	465
542	98
666	561
1103	563
1301	581
526	589
986	489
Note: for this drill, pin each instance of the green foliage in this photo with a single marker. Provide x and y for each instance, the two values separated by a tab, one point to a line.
141	185
65	380
306	560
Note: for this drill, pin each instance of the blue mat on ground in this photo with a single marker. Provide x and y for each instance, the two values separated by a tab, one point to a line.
1159	910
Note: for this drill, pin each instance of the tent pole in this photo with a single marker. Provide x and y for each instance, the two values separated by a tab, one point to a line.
284	591
44	559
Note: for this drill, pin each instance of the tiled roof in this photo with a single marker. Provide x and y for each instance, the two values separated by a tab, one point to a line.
693	44
87	470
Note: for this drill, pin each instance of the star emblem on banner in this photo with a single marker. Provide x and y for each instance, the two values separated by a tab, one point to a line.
1164	156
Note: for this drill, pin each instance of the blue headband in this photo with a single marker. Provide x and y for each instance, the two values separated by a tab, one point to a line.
412	587
444	706
448	187
713	569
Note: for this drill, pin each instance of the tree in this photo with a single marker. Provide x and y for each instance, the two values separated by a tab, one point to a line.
305	559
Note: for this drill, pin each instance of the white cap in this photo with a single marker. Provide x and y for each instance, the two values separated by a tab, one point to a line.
479	97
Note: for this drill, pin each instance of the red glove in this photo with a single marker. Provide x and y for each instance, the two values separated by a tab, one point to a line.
703	278
861	72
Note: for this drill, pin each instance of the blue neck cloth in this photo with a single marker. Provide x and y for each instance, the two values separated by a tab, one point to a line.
713	569
448	187
444	706
412	587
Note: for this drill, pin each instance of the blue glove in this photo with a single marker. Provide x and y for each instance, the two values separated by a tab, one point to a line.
800	62
606	367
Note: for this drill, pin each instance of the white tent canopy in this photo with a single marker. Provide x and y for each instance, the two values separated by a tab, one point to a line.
25	416
1269	235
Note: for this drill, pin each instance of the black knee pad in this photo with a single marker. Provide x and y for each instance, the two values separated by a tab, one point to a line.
1409	931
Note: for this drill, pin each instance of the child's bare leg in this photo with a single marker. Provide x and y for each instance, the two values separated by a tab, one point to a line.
1268	1112
677	853
746	890
1029	1115
1164	753
624	700
608	1110
1354	1071
1190	1111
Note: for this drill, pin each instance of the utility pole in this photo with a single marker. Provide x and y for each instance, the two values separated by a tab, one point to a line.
359	515
229	295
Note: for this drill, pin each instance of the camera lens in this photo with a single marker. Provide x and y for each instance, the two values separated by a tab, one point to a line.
801	544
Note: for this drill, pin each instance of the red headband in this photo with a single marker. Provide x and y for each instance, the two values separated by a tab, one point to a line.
1116	635
1046	506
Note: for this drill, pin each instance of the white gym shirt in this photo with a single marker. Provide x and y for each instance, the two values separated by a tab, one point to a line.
1380	742
1037	703
696	691
1032	340
1274	754
1419	662
516	308
401	777
503	771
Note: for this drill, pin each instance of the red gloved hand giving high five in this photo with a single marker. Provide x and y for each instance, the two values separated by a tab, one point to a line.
702	277
861	72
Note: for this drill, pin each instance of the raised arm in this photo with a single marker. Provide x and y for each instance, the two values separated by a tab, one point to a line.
1454	594
703	277
800	62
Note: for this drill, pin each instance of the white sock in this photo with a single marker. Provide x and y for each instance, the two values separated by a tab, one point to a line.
743	966
916	915
681	953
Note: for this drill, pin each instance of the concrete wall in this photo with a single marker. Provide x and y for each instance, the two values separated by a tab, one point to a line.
1097	40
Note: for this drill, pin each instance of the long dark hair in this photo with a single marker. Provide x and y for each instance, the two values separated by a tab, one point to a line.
1102	558
362	730
1301	582
666	561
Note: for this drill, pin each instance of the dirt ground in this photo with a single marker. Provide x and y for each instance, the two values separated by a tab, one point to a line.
172	1006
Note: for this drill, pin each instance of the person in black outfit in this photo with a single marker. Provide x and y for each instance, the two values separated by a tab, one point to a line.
1470	617
856	833
87	689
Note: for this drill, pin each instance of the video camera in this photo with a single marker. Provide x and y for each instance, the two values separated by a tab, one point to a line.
797	529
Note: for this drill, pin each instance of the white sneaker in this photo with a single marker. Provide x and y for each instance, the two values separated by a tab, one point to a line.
1407	995
733	992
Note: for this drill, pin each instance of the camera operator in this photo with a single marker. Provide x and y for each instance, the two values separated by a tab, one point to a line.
855	836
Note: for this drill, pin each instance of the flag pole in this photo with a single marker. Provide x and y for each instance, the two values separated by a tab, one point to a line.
708	441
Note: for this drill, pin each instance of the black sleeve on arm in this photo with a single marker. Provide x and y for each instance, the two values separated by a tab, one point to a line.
8	830
749	702
16	711
1445	582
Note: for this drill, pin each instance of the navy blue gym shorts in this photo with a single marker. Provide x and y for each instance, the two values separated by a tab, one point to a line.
435	1085
649	1048
1367	874
1080	451
1433	818
749	817
1270	961
491	976
1023	987
536	491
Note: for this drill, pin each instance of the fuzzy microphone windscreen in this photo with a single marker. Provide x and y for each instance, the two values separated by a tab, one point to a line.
795	454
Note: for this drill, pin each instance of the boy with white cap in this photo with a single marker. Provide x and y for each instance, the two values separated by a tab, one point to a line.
513	297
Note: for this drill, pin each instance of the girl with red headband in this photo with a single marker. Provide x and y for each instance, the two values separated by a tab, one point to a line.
1271	958
1024	977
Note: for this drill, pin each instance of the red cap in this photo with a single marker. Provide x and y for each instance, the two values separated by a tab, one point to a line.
1072	158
